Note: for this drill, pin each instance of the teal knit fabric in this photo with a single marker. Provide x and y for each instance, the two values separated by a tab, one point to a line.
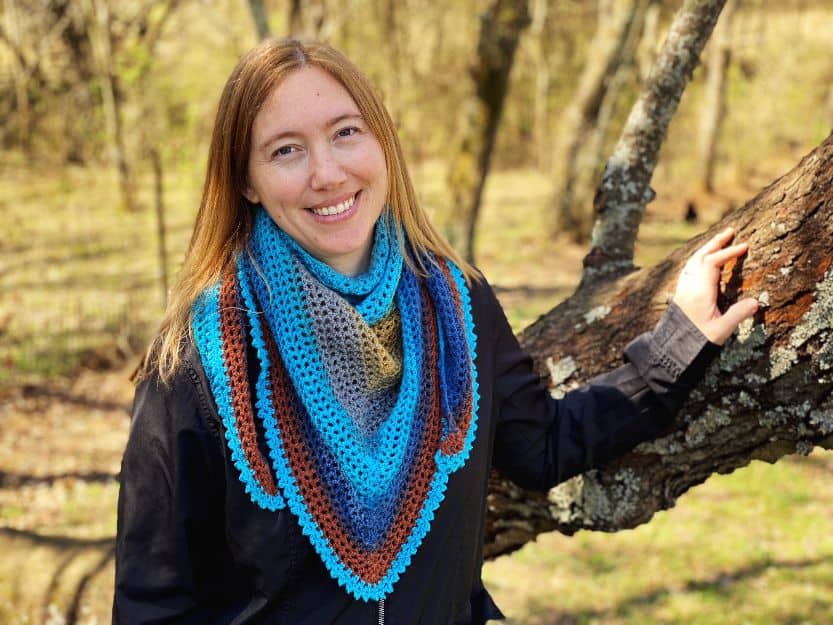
361	433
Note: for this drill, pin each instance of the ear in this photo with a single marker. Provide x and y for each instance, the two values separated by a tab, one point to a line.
251	195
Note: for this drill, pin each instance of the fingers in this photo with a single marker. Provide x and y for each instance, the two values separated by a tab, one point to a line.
716	242
731	319
721	257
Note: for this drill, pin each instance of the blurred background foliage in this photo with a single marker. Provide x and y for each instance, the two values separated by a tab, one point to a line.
107	109
108	106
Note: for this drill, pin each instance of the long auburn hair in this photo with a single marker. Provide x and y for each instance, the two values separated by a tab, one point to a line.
224	219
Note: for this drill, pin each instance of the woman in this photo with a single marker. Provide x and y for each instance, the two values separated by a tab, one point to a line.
331	385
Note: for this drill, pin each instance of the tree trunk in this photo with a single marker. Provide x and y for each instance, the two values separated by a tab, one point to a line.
769	394
19	79
500	31
829	106
593	152
308	19
646	52
101	44
539	51
261	18
296	18
720	55
617	22
624	192
161	229
123	167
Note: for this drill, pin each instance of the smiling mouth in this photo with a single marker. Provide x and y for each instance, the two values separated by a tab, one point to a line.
335	209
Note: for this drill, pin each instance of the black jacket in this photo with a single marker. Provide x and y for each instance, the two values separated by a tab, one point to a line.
193	548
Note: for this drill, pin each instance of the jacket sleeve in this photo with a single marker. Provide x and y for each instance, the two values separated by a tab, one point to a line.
167	550
541	441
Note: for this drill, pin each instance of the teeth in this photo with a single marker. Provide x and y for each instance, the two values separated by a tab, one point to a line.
335	210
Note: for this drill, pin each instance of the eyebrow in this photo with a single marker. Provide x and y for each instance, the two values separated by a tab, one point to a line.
288	133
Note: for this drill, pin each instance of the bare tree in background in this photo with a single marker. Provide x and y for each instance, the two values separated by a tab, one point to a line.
296	18
31	44
260	17
308	18
540	53
11	31
161	226
500	30
648	48
714	110
619	25
99	31
86	45
391	20
625	188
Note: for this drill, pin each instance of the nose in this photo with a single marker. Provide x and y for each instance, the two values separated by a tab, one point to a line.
327	170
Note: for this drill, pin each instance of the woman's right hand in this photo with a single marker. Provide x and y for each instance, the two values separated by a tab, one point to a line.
697	288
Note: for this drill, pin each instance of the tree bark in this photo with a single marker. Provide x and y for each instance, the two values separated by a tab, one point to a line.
714	110
769	394
624	191
501	28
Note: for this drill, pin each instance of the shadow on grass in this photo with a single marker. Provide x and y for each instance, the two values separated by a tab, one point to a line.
67	584
56	541
38	391
525	291
126	281
16	480
821	462
720	584
75	604
61	258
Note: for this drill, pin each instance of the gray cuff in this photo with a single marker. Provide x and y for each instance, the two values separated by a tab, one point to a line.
673	358
676	342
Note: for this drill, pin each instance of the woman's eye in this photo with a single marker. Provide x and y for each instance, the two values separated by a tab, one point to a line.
349	131
284	150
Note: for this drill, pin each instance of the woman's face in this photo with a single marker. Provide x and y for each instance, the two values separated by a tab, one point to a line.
318	170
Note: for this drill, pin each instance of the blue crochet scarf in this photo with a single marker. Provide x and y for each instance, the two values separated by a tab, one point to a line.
366	393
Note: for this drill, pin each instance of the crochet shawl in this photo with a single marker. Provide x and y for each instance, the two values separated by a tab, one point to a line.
365	398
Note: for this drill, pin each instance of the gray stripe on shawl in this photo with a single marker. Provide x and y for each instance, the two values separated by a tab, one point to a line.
339	330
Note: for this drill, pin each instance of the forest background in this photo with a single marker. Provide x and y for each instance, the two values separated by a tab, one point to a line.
107	110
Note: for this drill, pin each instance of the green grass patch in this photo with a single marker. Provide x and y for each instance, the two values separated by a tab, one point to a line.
751	548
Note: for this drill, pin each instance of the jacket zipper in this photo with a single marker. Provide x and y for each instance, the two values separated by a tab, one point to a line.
381	612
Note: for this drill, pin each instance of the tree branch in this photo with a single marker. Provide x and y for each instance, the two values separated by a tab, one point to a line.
768	395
